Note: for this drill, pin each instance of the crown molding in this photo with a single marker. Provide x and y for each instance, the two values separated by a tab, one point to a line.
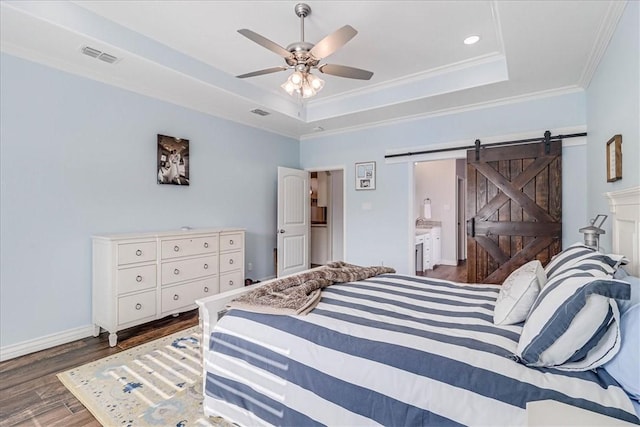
448	111
605	33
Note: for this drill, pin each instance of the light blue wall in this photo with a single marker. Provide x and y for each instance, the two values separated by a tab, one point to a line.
78	158
377	222
613	107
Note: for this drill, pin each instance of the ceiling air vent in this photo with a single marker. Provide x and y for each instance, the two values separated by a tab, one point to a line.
103	56
260	112
110	59
89	51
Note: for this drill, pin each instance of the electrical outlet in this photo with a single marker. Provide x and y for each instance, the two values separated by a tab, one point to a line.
250	266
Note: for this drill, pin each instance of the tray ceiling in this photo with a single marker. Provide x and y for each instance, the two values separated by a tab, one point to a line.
188	53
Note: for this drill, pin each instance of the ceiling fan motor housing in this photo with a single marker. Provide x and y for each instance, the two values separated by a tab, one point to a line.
300	51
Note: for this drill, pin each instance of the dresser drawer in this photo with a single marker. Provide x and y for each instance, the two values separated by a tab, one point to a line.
230	261
135	278
175	248
187	269
129	253
180	296
230	242
136	307
229	281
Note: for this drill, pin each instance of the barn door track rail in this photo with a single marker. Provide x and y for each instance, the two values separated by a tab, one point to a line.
547	139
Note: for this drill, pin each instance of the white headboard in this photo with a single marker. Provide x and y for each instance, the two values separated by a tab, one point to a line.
625	209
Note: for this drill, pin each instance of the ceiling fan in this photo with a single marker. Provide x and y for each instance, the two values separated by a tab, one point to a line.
303	56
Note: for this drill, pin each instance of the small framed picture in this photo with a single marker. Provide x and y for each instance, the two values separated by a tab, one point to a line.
173	160
614	158
366	176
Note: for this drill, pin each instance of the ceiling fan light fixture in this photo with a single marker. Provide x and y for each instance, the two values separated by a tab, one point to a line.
296	78
315	82
303	84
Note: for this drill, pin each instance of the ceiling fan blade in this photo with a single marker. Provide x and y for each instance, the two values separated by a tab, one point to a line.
333	42
261	72
265	42
344	71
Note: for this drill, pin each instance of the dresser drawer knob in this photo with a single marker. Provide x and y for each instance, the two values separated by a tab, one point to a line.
206	244
230	261
176	271
231	241
230	282
176	248
138	306
176	297
138	252
138	278
205	266
206	289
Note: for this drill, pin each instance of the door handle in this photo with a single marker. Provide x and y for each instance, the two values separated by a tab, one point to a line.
281	230
471	227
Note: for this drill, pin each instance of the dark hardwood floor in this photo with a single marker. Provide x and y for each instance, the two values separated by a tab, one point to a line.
447	272
32	395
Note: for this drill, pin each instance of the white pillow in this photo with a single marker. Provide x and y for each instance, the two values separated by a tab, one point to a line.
574	323
518	293
585	259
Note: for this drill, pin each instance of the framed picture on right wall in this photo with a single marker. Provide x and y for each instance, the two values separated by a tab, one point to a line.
614	158
366	176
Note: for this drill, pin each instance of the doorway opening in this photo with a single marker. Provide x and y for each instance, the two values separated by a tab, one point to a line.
327	216
439	212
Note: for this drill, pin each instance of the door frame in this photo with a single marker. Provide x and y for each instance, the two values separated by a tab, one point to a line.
344	204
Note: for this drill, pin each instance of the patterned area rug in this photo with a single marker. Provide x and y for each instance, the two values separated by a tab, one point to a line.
154	384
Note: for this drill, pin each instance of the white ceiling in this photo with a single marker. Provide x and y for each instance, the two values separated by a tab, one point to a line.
188	52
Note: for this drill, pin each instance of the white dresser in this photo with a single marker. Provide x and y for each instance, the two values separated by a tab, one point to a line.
137	278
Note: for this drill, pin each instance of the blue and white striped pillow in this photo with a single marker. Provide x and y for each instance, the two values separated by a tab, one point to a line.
581	258
574	323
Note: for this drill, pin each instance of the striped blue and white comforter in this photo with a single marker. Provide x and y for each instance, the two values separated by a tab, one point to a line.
391	350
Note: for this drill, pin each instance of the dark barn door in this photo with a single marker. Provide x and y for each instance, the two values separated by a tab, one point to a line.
514	208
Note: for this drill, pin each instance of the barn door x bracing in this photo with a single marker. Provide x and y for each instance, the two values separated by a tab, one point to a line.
514	208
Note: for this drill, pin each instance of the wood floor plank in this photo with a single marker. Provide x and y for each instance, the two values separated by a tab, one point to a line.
447	272
32	395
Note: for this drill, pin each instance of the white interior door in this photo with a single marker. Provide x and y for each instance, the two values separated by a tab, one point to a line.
293	221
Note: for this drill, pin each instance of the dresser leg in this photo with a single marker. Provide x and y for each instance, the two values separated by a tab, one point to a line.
96	330
113	339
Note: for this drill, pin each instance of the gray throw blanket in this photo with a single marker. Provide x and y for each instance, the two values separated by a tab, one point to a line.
300	293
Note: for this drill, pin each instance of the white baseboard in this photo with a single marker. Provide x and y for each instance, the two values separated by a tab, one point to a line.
31	346
449	262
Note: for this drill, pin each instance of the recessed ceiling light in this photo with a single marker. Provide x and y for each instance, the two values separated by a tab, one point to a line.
472	40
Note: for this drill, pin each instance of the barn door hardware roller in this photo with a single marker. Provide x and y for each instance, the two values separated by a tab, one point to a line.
547	143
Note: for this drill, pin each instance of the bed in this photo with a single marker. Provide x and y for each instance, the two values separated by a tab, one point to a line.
390	350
